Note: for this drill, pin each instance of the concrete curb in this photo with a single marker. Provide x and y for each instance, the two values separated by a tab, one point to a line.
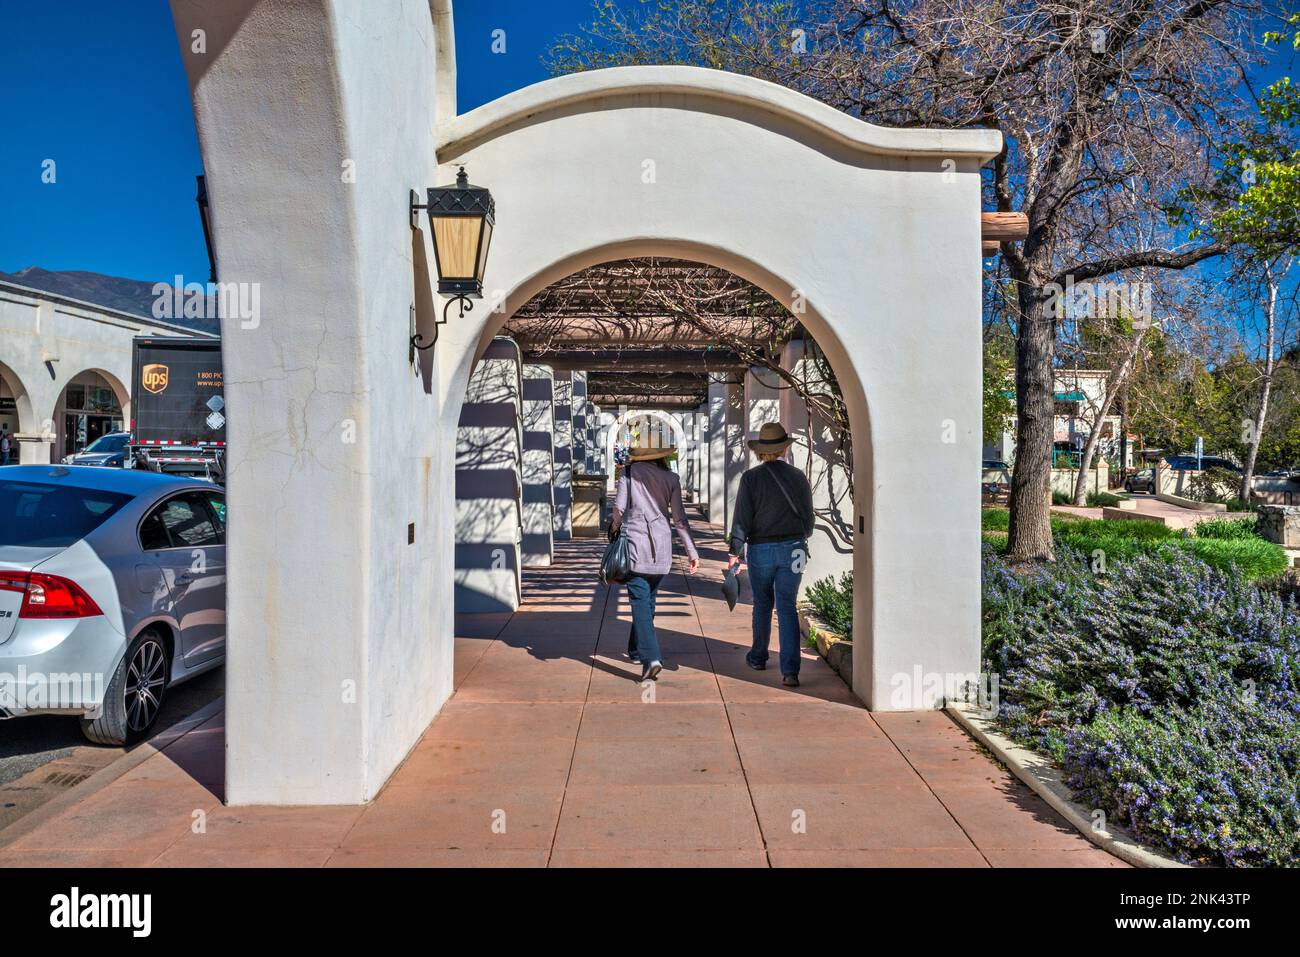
1190	504
110	773
1045	781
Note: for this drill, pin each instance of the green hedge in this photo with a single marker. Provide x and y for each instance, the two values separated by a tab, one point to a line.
1221	543
832	602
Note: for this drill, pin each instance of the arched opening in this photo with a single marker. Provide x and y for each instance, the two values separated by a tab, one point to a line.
16	414
649	351
92	404
632	427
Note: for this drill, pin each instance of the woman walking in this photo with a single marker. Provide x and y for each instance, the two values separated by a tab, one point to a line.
774	518
647	494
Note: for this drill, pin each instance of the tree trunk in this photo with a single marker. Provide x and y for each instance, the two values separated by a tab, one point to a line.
1257	433
1030	532
1123	429
1116	382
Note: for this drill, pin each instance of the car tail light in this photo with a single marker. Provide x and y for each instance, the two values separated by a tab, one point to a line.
49	596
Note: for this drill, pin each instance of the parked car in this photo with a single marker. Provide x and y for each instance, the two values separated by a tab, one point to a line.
108	450
1187	463
1143	480
112	590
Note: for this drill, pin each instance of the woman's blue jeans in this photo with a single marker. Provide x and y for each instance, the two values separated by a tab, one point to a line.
641	593
774	580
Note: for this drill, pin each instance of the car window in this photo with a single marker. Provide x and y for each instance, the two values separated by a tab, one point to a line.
107	443
217	502
183	521
37	514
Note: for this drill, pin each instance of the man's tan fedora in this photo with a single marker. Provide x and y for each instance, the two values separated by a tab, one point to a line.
645	454
772	438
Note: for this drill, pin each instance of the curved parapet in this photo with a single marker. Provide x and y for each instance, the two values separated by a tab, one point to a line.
594	88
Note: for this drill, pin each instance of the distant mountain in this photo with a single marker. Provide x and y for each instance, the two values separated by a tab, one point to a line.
134	296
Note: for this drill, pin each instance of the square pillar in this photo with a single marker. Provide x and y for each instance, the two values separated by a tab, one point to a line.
538	546
762	403
715	499
579	417
489	462
737	452
562	527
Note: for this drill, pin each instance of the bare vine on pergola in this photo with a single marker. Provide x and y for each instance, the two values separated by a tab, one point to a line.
657	304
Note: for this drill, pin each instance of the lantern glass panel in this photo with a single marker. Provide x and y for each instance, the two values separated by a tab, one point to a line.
486	241
457	240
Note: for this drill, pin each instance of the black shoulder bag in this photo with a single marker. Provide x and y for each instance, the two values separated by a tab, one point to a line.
616	564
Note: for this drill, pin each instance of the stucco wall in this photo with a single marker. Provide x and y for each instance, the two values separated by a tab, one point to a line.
872	237
313	119
340	631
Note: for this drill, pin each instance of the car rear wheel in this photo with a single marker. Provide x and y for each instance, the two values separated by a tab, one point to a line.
134	696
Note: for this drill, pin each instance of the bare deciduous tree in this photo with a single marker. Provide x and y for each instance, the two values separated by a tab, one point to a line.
1109	108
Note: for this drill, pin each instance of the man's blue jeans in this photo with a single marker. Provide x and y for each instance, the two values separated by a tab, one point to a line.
775	569
641	593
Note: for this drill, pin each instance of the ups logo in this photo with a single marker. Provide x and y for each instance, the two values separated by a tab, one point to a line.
154	377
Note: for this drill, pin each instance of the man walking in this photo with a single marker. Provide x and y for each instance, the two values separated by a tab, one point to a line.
774	518
4	446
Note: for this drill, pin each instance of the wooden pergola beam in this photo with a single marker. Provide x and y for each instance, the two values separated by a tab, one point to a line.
666	403
640	361
999	228
1003	227
675	383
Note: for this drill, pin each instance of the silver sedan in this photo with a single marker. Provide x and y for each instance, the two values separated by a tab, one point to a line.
112	589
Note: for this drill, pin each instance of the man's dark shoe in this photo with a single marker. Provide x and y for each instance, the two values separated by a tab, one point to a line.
790	681
633	657
756	665
650	672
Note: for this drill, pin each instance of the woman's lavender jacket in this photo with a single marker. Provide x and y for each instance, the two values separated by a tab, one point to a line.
655	492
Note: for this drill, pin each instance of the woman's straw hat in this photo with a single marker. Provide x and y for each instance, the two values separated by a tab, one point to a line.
644	454
772	437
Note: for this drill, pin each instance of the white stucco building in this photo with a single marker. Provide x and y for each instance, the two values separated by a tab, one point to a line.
65	370
341	651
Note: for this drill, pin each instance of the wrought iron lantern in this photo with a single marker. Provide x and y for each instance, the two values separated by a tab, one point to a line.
461	217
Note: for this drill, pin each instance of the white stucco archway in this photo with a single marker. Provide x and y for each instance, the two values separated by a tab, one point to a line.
24	413
616	427
88	376
870	236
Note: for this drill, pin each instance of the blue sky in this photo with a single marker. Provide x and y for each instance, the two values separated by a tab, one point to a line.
98	88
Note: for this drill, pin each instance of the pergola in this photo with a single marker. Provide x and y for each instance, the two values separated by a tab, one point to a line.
653	332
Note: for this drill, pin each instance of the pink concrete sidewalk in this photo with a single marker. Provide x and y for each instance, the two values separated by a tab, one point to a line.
1175	516
551	753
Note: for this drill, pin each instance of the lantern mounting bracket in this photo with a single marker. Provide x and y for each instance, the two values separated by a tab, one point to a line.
466	304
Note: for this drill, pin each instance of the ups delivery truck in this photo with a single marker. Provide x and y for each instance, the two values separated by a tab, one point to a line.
178	409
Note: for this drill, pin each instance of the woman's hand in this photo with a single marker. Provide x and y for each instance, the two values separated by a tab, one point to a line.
693	566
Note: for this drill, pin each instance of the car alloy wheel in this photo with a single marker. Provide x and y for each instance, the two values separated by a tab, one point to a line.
146	677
